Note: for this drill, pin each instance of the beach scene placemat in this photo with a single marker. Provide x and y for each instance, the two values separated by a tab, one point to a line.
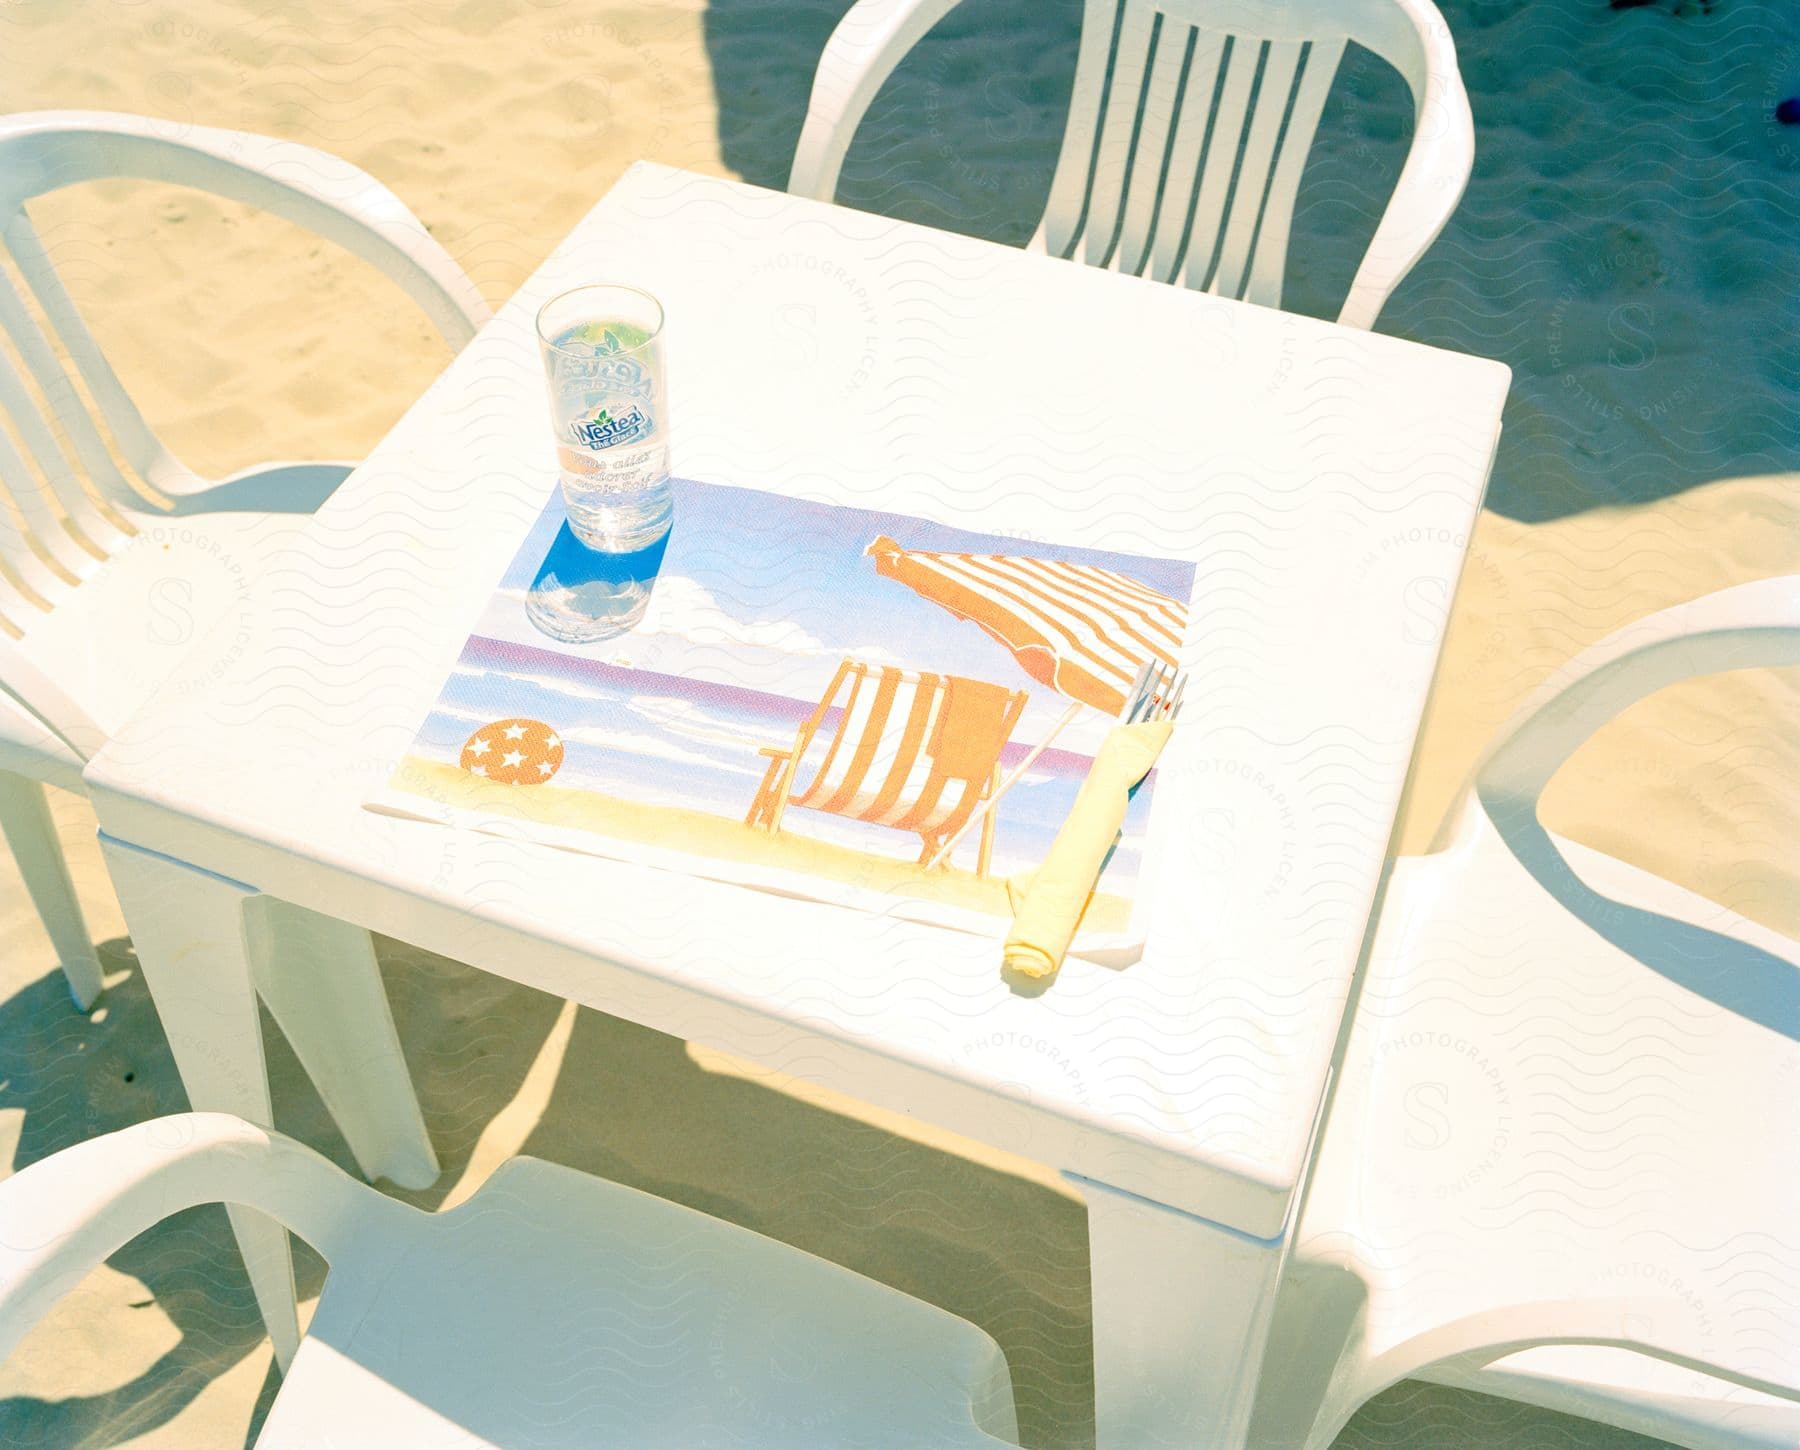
876	711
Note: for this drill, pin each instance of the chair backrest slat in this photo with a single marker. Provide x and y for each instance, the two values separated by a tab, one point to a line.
1187	153
1269	262
58	515
876	740
141	448
1173	43
58	409
888	760
856	677
1219	165
1114	160
28	586
1274	93
1067	206
1188	131
871	695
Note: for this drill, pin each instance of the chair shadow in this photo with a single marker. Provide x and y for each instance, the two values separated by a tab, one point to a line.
286	488
961	137
1755	984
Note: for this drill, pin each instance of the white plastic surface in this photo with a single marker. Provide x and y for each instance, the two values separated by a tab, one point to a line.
1563	1128
1200	190
1313	474
82	545
551	1309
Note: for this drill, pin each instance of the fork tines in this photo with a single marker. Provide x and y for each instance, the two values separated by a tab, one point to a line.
1156	693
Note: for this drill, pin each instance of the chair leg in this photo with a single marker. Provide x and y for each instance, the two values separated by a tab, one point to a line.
322	985
1182	1309
189	929
986	856
25	820
783	784
765	795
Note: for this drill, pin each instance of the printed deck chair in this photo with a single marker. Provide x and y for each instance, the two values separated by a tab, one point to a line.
912	750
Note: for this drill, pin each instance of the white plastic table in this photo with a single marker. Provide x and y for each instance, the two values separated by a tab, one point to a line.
1325	482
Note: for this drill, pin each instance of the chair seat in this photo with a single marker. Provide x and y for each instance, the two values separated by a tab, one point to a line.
555	1309
1556	1089
172	603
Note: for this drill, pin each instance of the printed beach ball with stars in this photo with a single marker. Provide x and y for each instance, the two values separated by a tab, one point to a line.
514	752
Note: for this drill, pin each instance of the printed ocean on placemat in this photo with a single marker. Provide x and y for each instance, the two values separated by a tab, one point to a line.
860	706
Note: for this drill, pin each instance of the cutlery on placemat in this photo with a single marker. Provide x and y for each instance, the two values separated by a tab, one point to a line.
1048	906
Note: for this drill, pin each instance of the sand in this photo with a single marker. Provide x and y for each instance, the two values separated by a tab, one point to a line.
582	815
1625	245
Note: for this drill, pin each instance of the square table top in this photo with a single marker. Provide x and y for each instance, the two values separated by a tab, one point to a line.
1323	480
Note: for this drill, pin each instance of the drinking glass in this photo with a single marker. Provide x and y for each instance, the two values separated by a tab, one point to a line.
603	359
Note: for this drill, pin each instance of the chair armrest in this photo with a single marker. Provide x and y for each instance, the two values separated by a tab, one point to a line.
60	1217
323	193
1639	1325
1745	627
857	60
1437	165
48	703
778	752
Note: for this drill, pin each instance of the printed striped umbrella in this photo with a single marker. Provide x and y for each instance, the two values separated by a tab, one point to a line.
1084	631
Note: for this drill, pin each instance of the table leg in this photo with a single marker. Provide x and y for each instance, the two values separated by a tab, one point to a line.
188	929
25	821
208	947
320	981
1182	1309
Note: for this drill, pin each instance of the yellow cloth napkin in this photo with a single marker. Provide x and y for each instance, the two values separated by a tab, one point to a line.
1048	903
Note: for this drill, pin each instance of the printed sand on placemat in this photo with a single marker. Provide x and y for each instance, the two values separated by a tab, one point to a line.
700	834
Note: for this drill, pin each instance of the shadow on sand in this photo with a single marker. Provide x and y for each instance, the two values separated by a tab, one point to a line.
1643	323
628	1104
634	1106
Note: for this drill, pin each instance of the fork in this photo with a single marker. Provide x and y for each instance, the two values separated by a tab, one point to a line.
1155	694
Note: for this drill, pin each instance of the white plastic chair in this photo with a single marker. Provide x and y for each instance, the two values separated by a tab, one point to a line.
1558	1166
101	515
914	750
551	1309
1204	194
